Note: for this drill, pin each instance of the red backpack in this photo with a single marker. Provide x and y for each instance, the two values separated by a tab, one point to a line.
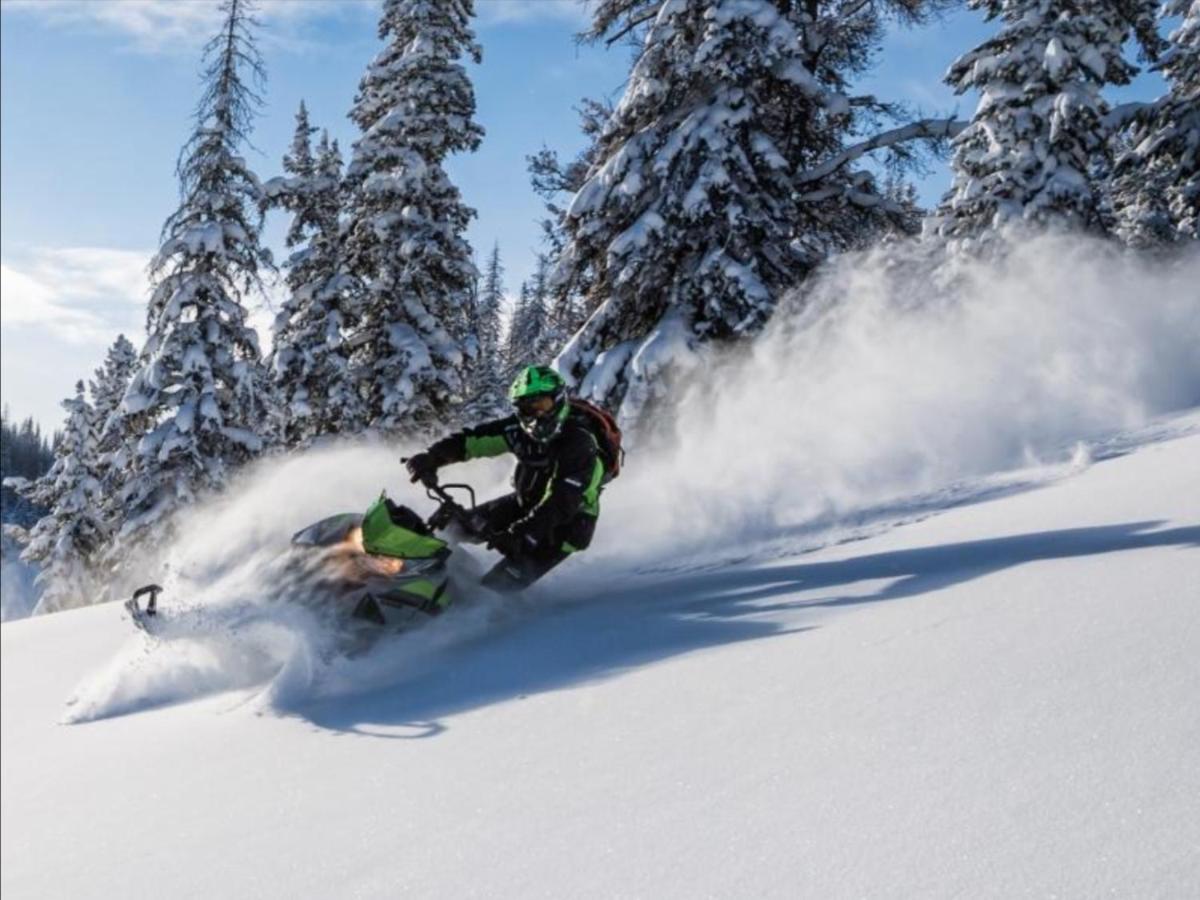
608	435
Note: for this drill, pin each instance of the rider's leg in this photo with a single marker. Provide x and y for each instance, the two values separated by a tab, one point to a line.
533	560
495	515
513	573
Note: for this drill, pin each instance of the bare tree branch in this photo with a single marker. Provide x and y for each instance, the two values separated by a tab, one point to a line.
631	25
926	128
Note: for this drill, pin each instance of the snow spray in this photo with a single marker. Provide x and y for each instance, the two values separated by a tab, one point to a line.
891	375
885	378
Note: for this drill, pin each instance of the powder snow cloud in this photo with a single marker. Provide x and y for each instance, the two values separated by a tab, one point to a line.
873	383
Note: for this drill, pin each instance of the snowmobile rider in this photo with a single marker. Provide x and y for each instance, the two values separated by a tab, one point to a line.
552	510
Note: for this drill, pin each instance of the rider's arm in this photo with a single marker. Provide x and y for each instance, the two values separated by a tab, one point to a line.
488	439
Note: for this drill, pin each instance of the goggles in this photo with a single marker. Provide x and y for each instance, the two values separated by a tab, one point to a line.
537	407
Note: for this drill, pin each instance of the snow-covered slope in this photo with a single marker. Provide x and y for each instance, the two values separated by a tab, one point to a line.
994	698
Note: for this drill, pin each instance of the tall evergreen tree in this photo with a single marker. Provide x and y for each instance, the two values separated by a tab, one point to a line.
1030	152
110	384
488	389
65	541
902	193
491	298
310	357
724	175
108	390
550	316
1157	188
529	328
405	220
564	316
517	349
200	396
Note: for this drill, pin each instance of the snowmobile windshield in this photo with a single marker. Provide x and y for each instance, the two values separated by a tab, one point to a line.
383	536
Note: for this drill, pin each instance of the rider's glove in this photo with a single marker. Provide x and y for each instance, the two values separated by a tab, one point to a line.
422	468
504	542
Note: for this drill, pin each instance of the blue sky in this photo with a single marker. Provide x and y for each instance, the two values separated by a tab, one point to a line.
96	98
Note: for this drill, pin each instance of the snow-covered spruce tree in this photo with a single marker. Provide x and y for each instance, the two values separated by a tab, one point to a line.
405	220
550	315
310	356
524	330
531	328
108	389
198	403
910	215
65	541
488	387
564	316
725	174
487	309
515	355
110	383
1031	151
1157	185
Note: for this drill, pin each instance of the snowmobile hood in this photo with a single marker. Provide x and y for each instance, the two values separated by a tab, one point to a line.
391	530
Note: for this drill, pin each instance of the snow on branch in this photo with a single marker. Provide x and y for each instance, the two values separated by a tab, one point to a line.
1121	116
854	9
851	194
926	128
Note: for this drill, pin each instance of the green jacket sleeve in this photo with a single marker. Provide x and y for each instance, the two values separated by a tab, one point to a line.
483	440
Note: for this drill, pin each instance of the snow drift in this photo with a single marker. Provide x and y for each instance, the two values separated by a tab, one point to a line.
878	385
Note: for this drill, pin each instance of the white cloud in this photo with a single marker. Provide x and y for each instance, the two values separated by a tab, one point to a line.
61	308
152	25
81	295
156	26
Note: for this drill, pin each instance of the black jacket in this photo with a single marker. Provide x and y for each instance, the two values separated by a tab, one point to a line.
554	481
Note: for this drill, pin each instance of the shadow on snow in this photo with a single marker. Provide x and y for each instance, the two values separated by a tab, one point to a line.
612	631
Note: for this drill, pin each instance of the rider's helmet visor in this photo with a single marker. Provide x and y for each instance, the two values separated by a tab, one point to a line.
537	406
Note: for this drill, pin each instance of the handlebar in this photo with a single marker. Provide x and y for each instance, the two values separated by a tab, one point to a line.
448	509
152	604
438	492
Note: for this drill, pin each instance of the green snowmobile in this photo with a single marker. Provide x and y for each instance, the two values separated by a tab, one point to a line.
385	566
388	561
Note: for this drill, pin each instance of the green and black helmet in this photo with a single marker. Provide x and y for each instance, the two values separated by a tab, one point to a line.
540	397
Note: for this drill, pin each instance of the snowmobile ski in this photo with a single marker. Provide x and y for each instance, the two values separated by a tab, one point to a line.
143	617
